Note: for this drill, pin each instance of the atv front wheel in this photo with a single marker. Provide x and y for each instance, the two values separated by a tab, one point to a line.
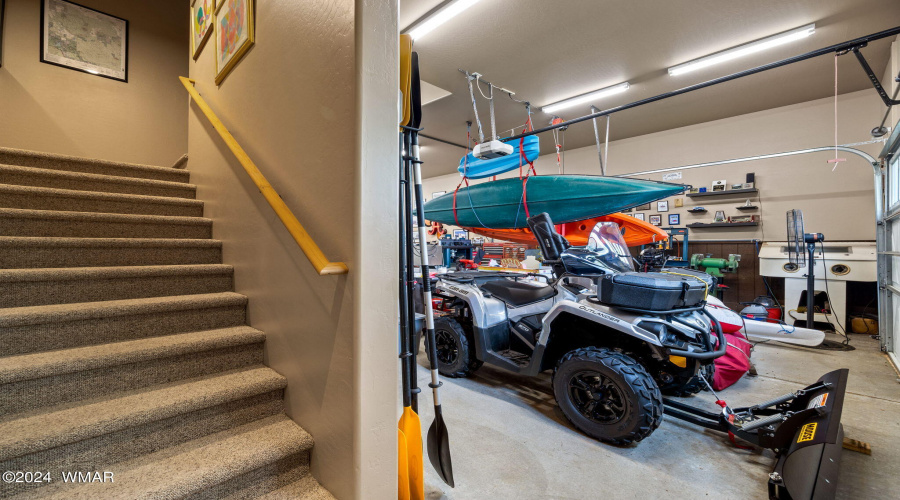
607	395
455	358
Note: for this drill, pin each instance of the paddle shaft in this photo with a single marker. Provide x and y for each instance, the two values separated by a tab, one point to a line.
405	354
426	279
408	270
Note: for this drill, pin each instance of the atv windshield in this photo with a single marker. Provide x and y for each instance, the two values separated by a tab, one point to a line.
609	247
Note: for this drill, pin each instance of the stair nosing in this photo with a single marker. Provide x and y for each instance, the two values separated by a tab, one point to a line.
81	311
65	361
76	193
132	410
115	179
81	159
31	275
75	242
177	220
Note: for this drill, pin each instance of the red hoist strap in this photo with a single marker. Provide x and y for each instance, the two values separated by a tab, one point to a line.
530	171
466	180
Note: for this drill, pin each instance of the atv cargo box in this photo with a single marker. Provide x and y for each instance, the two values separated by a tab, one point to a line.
650	291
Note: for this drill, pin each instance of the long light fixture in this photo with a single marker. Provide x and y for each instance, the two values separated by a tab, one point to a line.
585	98
424	26
744	50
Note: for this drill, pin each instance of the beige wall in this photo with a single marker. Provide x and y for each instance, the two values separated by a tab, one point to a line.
839	204
306	103
53	109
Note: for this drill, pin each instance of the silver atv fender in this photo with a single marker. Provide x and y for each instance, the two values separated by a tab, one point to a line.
596	314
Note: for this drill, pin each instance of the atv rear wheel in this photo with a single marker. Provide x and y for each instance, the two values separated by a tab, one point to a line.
607	395
455	358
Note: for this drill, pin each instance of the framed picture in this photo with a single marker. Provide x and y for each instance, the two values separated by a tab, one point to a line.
201	24
656	220
460	234
674	219
643	207
437	193
234	34
639	215
719	185
720	216
83	39
2	5
679	202
662	206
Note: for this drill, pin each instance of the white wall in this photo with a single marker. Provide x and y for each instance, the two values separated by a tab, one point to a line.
839	204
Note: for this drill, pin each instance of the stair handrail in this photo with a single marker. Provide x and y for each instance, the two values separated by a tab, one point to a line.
304	240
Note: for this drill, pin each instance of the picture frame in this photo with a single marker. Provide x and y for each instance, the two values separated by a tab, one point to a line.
679	202
234	34
202	23
674	219
656	220
662	206
460	234
2	10
639	215
96	33
645	206
719	185
437	193
720	216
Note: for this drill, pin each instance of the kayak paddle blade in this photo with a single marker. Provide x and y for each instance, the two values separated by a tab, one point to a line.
411	427
402	467
439	448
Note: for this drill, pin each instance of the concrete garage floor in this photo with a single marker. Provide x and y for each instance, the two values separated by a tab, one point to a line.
510	441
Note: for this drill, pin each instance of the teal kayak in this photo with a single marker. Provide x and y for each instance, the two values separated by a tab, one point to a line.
567	198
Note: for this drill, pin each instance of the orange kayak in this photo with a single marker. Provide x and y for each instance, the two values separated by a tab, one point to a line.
636	232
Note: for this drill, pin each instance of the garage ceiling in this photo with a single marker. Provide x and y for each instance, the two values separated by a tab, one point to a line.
547	51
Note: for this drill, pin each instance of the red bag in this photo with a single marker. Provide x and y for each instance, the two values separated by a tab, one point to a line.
731	366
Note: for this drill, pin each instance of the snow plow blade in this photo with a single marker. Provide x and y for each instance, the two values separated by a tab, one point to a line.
808	468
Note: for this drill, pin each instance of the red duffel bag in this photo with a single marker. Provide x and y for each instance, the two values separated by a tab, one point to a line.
731	366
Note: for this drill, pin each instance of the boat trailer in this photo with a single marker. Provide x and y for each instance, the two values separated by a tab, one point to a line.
803	428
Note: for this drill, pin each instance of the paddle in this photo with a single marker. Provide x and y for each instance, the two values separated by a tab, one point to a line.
411	473
438	439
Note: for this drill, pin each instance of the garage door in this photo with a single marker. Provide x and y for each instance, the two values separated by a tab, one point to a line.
889	254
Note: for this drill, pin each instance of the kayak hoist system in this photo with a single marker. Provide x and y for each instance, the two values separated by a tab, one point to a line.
803	428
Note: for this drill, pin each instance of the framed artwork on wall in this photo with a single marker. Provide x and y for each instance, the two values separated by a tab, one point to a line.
674	219
437	193
201	24
234	34
2	5
639	215
656	220
643	207
460	234
84	39
662	206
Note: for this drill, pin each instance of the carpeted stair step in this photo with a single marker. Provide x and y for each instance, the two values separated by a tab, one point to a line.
62	326
235	463
39	198
28	176
307	489
18	252
22	222
99	434
44	379
51	161
36	287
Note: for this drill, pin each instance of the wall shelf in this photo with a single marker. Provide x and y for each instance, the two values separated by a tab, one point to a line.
723	193
708	225
746	208
695	211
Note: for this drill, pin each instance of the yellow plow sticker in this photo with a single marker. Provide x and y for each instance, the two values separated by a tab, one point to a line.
807	432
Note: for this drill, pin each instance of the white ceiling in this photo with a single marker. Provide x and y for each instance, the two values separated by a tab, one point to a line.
550	50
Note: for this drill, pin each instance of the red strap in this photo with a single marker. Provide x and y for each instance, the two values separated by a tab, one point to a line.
466	180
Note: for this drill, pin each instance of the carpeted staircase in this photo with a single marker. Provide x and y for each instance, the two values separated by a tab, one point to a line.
123	348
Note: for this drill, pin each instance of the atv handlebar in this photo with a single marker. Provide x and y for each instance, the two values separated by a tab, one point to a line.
720	336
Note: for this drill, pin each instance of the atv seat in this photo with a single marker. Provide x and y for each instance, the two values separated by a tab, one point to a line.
518	294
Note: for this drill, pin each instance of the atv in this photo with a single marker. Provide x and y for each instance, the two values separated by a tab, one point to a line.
615	339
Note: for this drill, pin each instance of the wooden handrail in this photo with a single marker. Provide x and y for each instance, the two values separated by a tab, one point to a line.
303	239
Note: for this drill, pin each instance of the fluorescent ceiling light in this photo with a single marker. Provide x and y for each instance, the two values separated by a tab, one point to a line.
585	98
744	50
439	17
